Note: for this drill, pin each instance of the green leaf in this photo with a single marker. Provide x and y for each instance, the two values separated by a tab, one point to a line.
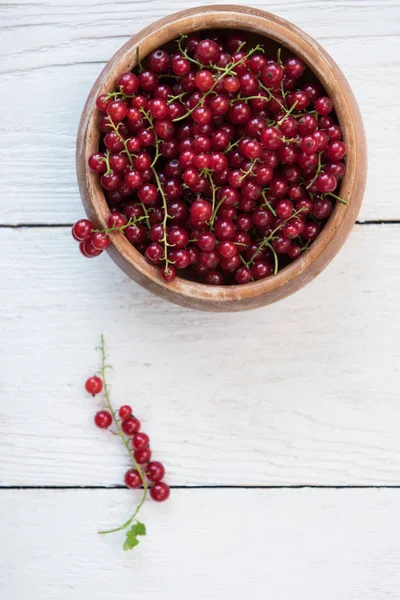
131	540
140	528
130	544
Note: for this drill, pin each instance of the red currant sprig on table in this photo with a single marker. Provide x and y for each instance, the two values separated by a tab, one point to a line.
228	159
145	473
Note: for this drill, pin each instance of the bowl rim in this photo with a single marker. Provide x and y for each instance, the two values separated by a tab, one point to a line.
181	290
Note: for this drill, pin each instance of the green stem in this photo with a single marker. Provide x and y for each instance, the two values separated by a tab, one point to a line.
288	113
319	167
109	230
337	197
267	204
124	440
123	140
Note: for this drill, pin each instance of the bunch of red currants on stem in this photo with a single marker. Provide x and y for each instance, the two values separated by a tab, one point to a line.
145	473
216	158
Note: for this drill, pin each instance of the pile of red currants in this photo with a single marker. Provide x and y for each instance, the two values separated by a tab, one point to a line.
216	158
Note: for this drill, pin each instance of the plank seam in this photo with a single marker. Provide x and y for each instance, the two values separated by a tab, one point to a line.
202	487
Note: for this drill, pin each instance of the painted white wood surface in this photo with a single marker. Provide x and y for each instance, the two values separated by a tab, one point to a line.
214	544
51	52
301	392
304	392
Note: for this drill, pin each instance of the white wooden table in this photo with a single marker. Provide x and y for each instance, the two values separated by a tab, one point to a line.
279	428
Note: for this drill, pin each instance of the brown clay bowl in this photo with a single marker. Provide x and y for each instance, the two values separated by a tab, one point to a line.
291	278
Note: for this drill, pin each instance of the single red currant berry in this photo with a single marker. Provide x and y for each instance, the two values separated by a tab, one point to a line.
207	52
168	273
100	241
242	275
271	138
326	183
135	233
204	80
132	479
102	102
103	419
117	219
154	253
155	471
335	151
110	181
311	231
140	441
294	67
128	83
130	425
97	162
214	278
160	491
201	210
323	105
142	456
294	251
271	75
309	144
88	250
227	249
82	230
159	60
261	269
94	385
125	411
117	110
322	209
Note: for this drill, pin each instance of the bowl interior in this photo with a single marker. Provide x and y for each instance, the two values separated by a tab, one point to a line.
273	33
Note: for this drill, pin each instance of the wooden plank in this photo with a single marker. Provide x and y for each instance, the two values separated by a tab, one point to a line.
225	544
301	392
55	51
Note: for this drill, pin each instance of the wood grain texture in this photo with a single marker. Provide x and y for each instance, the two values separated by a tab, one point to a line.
214	544
57	51
301	392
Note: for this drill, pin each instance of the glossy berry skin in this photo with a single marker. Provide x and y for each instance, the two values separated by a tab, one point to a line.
168	273
155	471
272	75
100	241
132	479
207	52
125	411
130	426
201	210
142	456
323	105
140	441
117	219
88	250
103	419
242	275
335	151
294	67
326	183
97	162
261	269
128	83
94	385
82	230
117	110
159	60
159	492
